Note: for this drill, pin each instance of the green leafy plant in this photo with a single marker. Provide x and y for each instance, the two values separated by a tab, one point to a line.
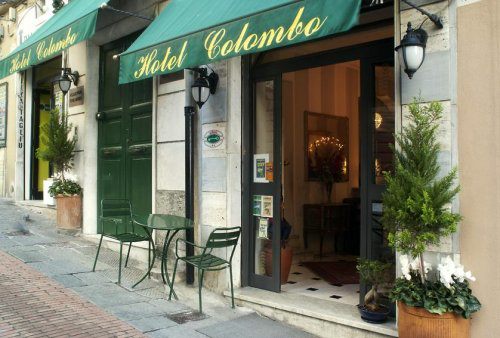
58	149
417	200
374	273
65	188
417	214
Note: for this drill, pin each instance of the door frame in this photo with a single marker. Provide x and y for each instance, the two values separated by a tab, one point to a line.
364	52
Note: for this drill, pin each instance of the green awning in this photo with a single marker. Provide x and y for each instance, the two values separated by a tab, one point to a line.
190	33
72	24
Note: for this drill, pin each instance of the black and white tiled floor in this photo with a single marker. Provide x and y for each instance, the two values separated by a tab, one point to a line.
303	281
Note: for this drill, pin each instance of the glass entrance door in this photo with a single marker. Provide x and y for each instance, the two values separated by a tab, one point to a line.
378	128
265	187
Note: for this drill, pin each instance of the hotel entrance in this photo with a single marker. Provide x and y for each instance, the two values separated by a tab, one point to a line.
319	139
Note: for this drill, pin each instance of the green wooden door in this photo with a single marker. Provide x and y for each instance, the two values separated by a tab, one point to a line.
124	135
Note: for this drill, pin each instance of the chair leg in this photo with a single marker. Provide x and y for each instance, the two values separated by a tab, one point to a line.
97	255
149	258
128	253
120	265
200	282
231	281
173	280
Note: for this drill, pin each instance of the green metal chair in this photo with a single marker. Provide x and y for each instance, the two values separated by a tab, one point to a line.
117	223
219	238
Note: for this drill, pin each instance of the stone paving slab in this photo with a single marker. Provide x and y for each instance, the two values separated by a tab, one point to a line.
251	326
33	304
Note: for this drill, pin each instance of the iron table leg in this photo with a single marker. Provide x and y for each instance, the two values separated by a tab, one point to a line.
168	240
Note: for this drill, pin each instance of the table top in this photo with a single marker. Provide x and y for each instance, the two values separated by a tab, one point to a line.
163	221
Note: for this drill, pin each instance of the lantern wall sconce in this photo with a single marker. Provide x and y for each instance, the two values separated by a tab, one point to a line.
411	51
204	86
67	77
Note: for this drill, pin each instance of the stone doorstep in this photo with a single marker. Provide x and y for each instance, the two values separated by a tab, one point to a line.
317	316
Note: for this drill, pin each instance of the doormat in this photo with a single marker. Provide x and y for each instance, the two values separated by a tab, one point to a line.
336	273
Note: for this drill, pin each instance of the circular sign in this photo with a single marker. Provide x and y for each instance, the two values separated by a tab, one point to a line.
213	138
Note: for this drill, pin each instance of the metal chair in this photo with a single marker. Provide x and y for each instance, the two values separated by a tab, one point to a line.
219	238
116	214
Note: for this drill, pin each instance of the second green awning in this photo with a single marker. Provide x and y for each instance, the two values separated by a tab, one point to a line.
74	23
190	33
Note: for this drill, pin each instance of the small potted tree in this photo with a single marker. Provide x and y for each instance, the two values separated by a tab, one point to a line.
417	213
58	150
375	274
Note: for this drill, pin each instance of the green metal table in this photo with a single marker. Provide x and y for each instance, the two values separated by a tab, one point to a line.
172	225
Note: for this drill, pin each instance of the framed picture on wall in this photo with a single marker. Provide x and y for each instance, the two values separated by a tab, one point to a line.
326	147
3	114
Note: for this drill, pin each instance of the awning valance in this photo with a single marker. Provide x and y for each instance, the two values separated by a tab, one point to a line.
189	33
72	24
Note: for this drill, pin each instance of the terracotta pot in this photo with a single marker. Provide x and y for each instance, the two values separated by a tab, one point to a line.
416	322
69	212
286	262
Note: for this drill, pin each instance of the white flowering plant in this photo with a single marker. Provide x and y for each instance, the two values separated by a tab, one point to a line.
448	292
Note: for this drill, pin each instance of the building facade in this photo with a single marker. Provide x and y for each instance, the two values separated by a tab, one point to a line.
276	108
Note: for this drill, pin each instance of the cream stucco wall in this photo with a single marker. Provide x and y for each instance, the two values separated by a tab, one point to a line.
479	153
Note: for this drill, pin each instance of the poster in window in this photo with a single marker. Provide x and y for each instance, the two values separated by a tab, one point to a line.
3	114
257	205
267	206
263	225
259	168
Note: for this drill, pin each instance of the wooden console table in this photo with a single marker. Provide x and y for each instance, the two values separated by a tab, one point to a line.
326	219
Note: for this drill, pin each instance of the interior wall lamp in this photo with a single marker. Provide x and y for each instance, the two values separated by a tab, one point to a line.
66	78
204	86
411	51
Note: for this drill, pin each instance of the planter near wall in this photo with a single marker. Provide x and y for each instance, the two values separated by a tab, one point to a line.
416	322
69	212
286	262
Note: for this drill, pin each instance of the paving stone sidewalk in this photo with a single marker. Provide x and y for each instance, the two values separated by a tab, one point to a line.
47	284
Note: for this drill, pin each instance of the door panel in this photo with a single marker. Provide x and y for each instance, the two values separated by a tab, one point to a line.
125	133
265	196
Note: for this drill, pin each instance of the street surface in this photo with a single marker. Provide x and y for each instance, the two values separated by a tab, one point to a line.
47	289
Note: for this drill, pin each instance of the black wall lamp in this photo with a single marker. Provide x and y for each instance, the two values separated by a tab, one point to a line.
411	51
64	81
204	85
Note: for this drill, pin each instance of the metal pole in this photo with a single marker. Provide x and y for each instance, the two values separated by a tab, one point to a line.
189	113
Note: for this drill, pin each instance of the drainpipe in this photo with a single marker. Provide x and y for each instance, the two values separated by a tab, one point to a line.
189	113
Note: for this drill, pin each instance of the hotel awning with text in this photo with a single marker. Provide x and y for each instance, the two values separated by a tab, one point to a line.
72	24
189	33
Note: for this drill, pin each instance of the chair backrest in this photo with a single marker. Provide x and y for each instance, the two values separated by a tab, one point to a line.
116	216
224	238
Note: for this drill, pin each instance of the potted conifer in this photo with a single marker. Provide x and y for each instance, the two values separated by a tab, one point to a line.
417	213
58	150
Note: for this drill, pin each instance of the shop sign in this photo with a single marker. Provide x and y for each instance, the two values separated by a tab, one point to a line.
3	114
213	139
76	96
295	23
20	114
